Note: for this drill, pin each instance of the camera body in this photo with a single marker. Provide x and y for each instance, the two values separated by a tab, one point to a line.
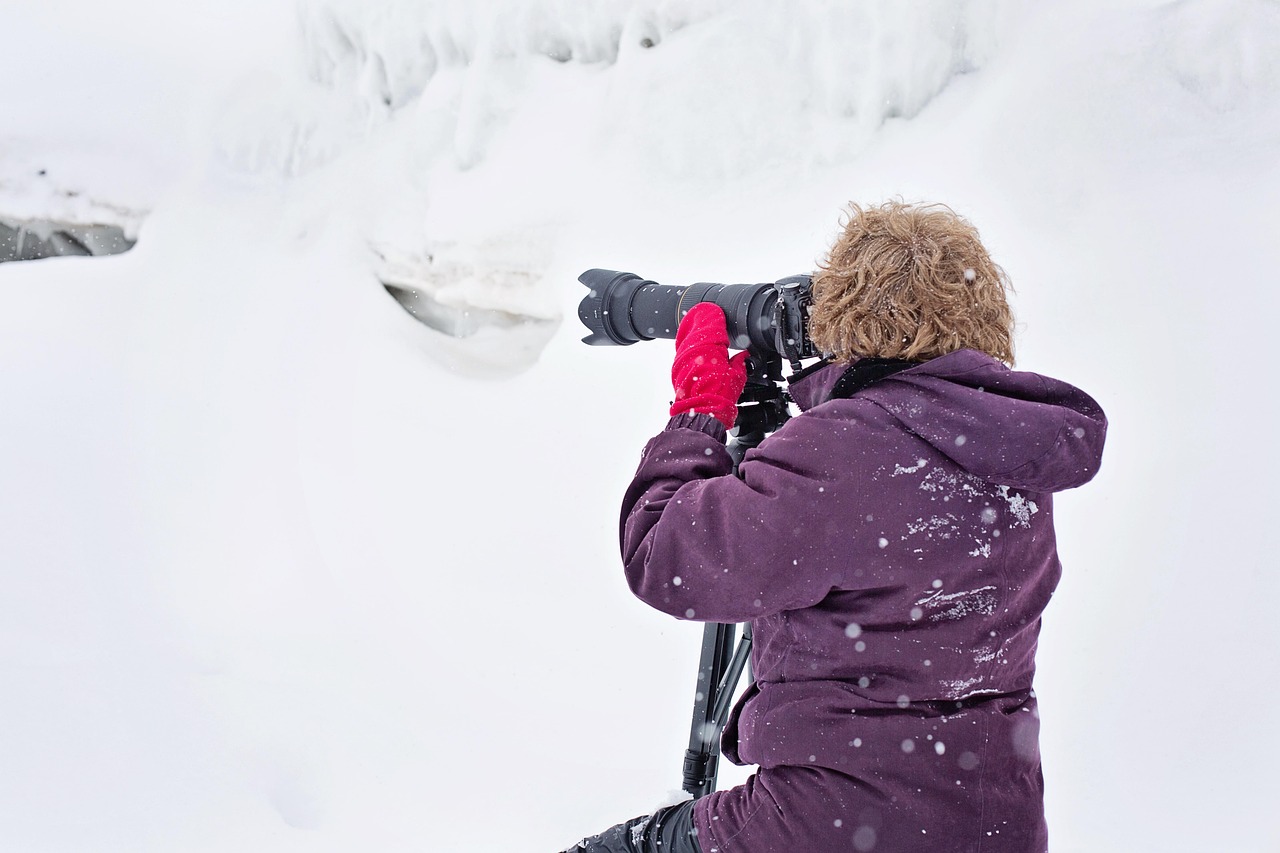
769	320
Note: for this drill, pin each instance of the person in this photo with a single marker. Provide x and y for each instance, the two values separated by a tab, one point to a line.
892	546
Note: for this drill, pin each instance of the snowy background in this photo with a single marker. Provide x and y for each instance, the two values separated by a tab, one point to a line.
282	568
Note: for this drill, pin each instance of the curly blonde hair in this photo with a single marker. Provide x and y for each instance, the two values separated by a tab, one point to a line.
911	282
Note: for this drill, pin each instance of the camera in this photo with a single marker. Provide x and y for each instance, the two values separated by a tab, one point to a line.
769	320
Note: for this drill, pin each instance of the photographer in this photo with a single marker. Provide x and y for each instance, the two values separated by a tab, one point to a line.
892	547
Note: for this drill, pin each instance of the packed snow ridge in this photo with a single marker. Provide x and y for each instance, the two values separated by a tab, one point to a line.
841	63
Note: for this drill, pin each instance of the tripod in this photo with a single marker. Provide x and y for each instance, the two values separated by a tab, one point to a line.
762	408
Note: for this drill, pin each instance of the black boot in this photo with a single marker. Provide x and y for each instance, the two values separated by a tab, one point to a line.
668	830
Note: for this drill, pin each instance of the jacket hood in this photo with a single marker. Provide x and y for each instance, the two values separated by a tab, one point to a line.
1007	427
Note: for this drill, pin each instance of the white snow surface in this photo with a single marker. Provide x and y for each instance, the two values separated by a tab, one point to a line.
284	569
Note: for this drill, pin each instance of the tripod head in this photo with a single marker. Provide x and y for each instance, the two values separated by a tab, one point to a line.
762	407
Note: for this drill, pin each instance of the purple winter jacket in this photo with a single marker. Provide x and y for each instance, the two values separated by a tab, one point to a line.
893	552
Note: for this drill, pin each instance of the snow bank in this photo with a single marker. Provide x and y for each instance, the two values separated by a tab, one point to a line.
480	124
825	74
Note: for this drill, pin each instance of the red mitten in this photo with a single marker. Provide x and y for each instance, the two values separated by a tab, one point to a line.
705	379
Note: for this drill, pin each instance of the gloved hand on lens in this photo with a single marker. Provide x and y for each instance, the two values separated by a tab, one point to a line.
706	380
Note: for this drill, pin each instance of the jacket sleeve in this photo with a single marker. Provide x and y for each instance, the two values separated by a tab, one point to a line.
701	544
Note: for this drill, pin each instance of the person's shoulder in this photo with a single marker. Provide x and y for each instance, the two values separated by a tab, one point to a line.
834	428
857	412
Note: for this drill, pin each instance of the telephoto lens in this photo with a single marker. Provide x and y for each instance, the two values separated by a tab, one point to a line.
622	308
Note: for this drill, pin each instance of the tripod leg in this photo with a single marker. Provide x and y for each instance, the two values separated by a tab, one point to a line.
702	757
732	674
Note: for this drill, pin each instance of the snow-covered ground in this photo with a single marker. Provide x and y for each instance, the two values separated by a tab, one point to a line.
282	568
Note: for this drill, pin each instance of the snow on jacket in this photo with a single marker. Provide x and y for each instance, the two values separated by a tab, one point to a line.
894	552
